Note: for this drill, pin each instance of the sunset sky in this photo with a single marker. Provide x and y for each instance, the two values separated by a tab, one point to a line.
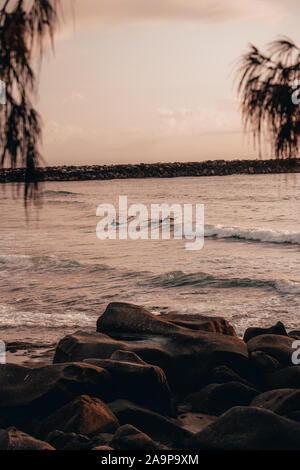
153	80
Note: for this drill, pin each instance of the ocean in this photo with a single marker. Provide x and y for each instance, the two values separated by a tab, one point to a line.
56	276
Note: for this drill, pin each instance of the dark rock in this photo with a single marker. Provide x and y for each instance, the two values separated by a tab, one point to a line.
101	448
34	393
68	441
276	346
127	318
82	345
185	355
289	377
277	329
263	363
128	437
161	429
215	399
13	439
295	334
84	415
200	322
223	374
139	382
281	401
248	428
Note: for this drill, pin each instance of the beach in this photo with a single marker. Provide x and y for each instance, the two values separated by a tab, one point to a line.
57	276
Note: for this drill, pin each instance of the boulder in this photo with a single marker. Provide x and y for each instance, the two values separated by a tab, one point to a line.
101	448
248	428
277	329
186	356
222	374
215	399
120	317
295	334
82	345
200	322
128	437
160	428
68	441
139	382
84	415
263	363
276	346
289	377
34	393
13	439
282	401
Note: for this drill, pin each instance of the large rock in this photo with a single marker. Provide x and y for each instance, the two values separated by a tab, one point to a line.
248	428
276	346
200	322
68	441
185	355
34	393
289	377
128	318
277	329
135	380
82	345
84	415
215	399
282	401
13	439
128	437
161	429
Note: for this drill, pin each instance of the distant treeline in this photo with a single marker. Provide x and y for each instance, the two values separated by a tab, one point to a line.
154	170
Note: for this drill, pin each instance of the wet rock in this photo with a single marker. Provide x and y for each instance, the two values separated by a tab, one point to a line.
223	374
13	439
187	356
34	393
289	377
276	346
84	415
215	399
277	329
101	448
82	345
248	428
128	437
68	441
161	429
200	322
120	317
139	382
282	401
263	363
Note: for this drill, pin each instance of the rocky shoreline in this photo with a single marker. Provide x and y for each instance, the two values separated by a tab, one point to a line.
147	382
154	170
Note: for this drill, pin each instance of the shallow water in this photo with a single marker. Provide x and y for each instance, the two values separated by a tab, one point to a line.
56	276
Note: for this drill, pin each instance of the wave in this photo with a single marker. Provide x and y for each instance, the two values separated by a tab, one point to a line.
11	318
37	262
175	279
256	235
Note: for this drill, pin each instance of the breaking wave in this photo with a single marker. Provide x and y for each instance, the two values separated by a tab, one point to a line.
256	235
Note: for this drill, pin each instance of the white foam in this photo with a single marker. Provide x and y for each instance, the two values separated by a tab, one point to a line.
288	287
259	235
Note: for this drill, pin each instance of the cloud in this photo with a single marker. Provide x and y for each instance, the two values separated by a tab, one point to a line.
141	11
223	117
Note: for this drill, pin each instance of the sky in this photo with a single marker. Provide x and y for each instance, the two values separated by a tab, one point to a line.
153	80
